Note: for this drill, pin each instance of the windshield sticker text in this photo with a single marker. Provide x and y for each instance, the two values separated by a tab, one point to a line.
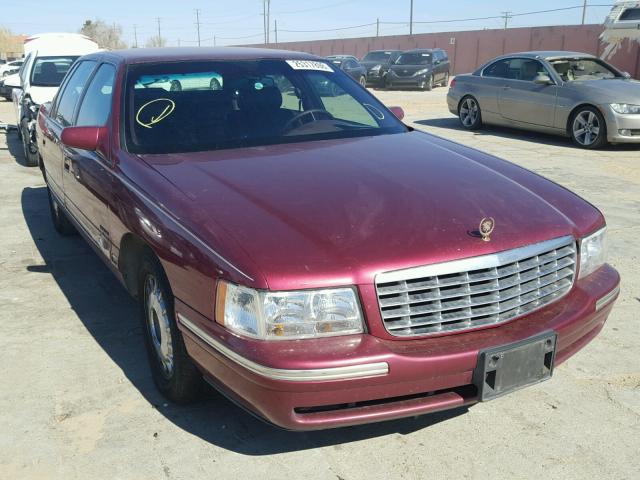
309	65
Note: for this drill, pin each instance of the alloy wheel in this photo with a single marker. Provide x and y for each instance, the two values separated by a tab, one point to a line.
586	128
469	112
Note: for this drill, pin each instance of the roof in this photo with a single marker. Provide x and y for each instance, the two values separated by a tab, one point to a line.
416	50
169	54
548	54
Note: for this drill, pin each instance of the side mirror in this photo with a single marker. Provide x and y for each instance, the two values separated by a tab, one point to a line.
398	112
85	138
12	81
543	80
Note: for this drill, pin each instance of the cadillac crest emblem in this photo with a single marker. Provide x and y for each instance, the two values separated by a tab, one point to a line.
486	227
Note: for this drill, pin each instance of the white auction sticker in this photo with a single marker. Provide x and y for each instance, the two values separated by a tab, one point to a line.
309	65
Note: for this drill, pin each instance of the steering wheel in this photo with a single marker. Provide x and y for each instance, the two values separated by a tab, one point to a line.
300	115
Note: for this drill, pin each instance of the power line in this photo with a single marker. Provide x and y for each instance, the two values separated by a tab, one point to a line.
330	29
498	16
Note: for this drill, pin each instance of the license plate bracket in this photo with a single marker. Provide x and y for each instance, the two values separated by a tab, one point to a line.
506	368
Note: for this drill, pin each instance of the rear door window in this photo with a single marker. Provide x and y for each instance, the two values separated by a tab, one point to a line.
72	91
96	104
516	69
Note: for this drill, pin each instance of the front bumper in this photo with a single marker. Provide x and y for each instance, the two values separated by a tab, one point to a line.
356	379
394	80
621	128
375	77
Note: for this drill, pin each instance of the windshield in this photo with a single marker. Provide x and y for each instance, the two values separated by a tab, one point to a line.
377	57
576	69
49	71
231	104
414	59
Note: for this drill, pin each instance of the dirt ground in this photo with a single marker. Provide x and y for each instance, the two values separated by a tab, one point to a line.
77	402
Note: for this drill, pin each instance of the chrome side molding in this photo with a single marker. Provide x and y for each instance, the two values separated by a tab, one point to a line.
335	373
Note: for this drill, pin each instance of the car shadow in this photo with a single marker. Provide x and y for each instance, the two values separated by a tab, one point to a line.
14	146
452	123
110	316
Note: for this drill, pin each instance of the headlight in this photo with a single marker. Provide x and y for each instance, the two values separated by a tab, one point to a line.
422	72
593	252
626	108
288	315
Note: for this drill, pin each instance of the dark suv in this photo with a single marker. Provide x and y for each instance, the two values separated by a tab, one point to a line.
419	68
377	64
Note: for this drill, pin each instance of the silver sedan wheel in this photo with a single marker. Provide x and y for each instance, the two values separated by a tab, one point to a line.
586	128
469	111
158	324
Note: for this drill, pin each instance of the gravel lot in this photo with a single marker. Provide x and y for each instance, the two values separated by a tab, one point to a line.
77	402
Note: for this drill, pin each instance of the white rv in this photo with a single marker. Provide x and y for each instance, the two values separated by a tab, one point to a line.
48	57
622	23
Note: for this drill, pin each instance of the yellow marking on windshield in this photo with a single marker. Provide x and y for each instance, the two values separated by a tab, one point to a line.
168	110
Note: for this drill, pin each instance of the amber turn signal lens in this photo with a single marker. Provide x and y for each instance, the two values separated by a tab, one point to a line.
221	297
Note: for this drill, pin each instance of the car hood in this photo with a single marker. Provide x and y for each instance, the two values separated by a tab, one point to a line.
410	68
619	90
41	95
338	212
371	64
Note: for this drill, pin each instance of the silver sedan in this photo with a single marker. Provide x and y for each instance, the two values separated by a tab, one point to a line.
564	93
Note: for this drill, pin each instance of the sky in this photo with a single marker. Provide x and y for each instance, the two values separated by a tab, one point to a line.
241	21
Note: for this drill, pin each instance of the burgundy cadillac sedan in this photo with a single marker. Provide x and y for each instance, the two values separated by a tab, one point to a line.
294	244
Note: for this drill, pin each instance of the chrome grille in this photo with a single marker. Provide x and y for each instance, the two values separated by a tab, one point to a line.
474	292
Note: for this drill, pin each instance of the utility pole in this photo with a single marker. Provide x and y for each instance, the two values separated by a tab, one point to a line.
276	29
507	17
268	20
377	27
264	20
584	11
159	34
411	19
198	24
135	36
214	41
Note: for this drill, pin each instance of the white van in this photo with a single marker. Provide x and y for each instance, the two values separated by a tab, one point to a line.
622	23
48	58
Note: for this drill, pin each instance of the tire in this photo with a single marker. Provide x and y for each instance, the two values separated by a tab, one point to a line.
445	82
428	84
174	374
363	81
469	113
214	84
588	128
61	222
29	148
